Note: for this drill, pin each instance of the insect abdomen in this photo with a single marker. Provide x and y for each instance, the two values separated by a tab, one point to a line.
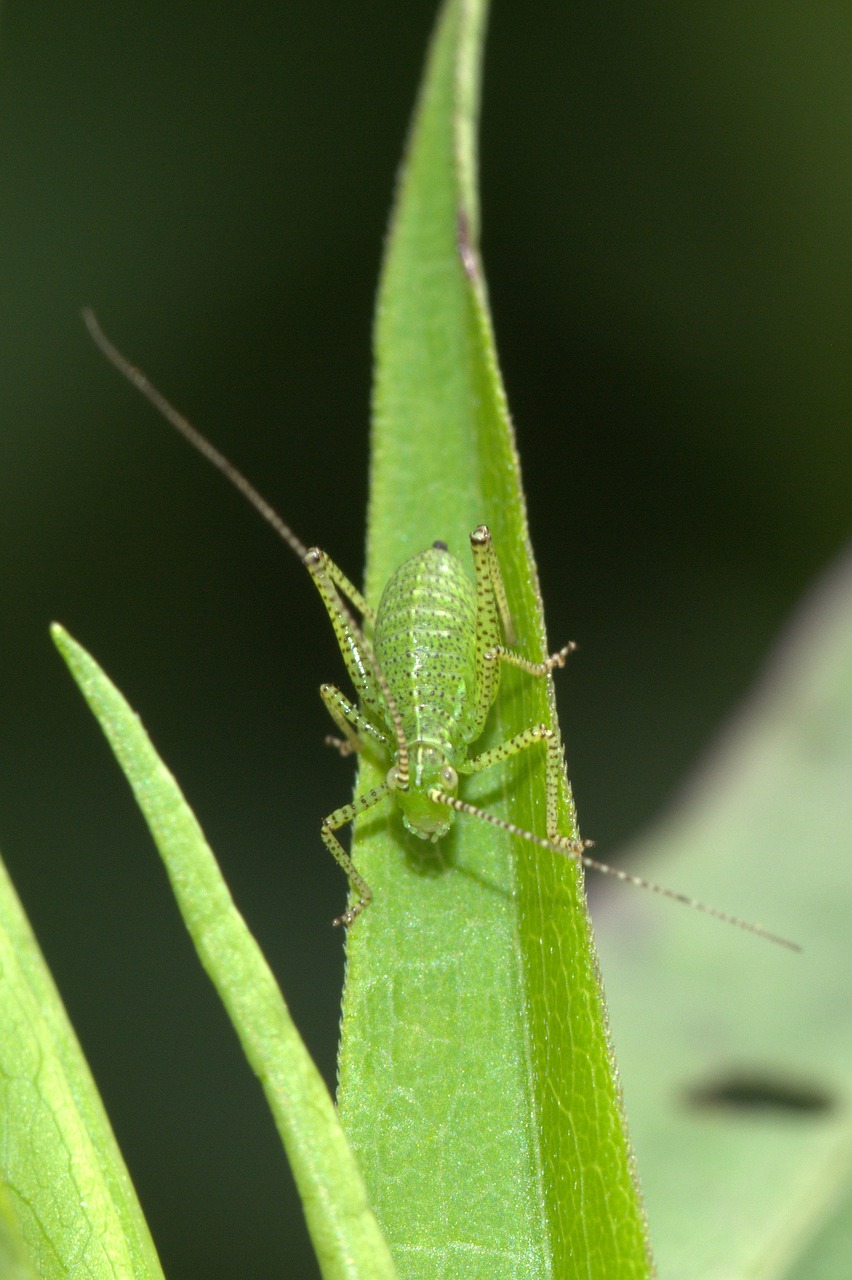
425	643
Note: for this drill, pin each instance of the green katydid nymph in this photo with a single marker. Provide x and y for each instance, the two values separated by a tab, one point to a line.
425	666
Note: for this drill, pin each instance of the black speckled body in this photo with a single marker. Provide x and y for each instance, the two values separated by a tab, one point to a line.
425	643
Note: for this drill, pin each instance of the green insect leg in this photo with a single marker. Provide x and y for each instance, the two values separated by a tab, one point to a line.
500	652
351	722
492	614
334	821
490	590
334	588
532	737
493	622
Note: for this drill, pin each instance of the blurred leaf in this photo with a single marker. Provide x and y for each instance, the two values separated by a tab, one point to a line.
737	1057
342	1226
67	1193
14	1259
476	1080
827	1255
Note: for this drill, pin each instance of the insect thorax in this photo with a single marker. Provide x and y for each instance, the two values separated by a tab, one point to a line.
425	643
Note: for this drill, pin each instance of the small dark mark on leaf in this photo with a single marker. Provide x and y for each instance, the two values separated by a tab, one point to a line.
760	1092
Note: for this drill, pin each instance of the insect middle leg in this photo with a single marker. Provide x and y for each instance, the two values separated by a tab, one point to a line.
499	651
336	820
492	606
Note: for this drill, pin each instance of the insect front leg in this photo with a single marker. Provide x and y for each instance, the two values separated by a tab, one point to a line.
334	588
334	821
352	723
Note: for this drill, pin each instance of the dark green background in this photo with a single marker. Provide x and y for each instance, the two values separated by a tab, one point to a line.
666	200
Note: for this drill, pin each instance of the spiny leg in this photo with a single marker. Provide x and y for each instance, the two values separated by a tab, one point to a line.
531	737
352	723
334	588
336	820
487	570
490	660
349	591
492	614
358	654
330	581
501	653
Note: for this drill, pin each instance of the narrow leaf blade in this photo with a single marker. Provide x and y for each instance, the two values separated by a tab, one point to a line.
68	1206
476	1079
348	1242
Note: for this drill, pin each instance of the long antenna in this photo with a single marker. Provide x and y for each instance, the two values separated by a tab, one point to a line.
193	436
189	433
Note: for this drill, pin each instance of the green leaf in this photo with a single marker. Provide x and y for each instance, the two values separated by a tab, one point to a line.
827	1254
736	1055
476	1081
347	1240
14	1258
67	1205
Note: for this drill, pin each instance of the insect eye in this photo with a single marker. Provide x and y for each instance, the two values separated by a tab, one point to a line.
393	778
449	777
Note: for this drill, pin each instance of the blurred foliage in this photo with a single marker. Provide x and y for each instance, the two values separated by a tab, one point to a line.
736	1059
665	215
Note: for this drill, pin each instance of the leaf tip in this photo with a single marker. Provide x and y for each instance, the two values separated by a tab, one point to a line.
61	638
69	650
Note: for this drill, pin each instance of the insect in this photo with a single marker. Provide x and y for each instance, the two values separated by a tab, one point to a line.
426	668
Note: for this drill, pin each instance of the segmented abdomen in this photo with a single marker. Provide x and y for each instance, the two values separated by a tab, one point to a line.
425	643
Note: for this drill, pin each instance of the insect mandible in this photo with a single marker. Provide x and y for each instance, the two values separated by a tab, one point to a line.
426	670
